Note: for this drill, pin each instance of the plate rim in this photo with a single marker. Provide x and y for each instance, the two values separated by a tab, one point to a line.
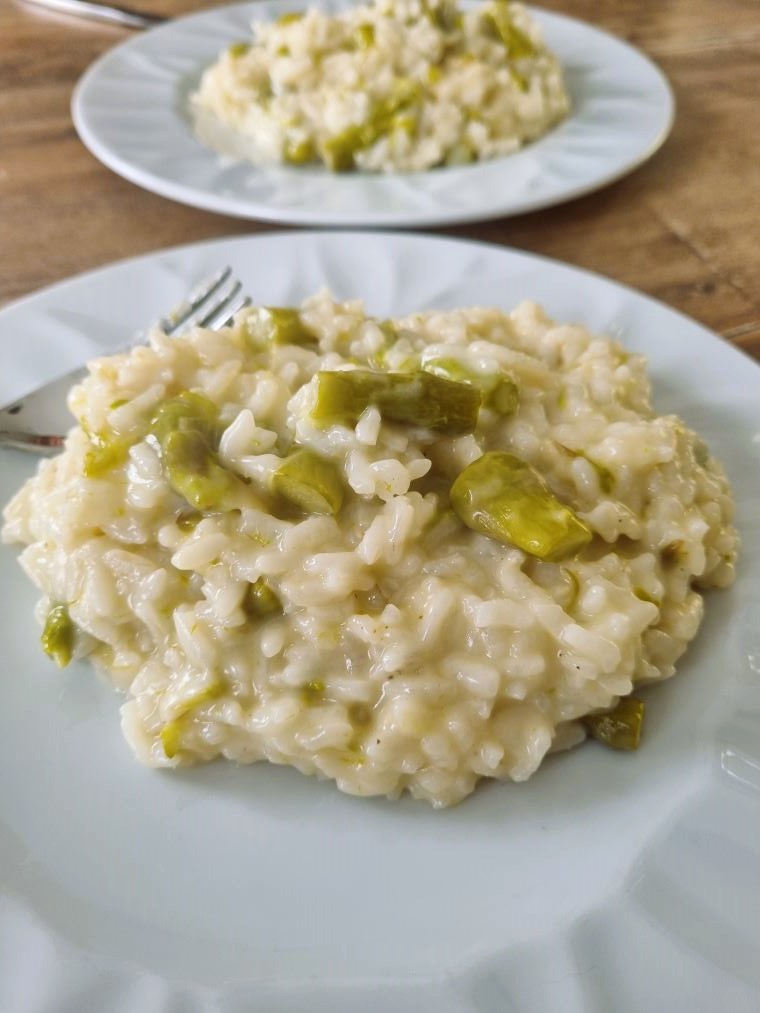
412	234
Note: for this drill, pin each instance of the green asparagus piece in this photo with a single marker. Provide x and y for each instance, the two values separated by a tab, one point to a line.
364	36
193	470
499	391
106	451
517	44
619	728
417	398
214	690
443	15
188	430
405	122
260	600
58	635
505	397
171	733
339	151
299	153
309	481
502	496
188	412
278	325
672	552
519	79
171	738
449	369
312	691
189	521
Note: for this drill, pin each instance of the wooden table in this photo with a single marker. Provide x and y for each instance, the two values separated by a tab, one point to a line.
684	228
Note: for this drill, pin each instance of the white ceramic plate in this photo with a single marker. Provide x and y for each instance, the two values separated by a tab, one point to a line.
130	109
606	883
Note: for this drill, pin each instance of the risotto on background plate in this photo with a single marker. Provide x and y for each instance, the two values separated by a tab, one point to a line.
393	85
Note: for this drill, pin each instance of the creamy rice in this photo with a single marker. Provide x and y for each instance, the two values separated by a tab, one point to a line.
403	649
387	86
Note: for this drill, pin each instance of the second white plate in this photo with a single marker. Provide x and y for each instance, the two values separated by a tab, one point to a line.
131	111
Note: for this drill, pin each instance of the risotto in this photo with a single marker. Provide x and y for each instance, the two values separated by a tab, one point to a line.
387	86
402	554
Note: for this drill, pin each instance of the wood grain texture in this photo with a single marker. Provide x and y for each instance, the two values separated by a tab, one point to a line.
684	228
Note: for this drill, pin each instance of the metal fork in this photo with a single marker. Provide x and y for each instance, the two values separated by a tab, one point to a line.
126	16
37	422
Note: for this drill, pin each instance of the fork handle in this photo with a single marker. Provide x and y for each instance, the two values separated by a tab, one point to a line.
42	446
103	12
47	407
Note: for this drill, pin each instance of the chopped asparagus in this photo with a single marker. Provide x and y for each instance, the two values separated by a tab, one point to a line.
505	397
339	151
309	481
449	369
299	153
278	325
193	470
171	733
517	44
500	392
519	79
106	451
672	552
188	412
405	122
188	430
211	692
502	496
189	521
312	691
364	36
260	600
416	398
619	728
443	15
58	635
171	738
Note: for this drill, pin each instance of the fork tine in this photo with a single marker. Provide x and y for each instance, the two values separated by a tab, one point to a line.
212	307
180	316
204	318
227	311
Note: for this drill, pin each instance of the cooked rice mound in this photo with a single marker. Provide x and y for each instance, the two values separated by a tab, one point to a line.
394	85
364	633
